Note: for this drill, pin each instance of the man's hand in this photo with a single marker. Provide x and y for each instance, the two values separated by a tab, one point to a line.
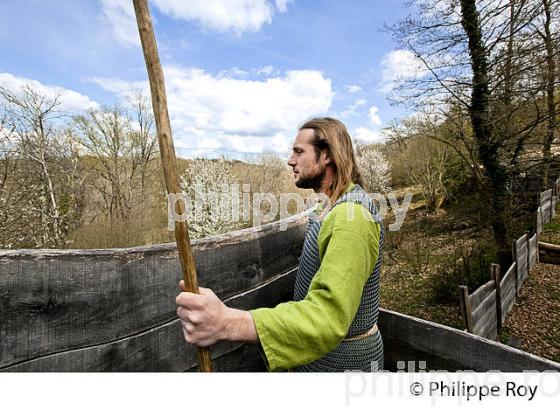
206	320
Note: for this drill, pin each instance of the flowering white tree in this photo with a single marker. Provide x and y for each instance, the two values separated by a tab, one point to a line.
213	196
40	184
375	169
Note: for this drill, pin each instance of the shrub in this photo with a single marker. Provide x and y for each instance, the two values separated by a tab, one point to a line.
208	183
375	169
464	266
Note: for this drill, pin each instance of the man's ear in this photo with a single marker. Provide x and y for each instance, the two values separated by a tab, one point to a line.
327	158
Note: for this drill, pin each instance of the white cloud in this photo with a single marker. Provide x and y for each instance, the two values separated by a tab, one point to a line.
282	5
374	116
70	101
237	16
267	70
121	17
221	15
367	135
399	65
243	115
352	110
353	88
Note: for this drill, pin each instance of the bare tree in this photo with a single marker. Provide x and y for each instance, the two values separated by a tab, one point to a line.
144	147
122	149
546	31
429	169
104	136
479	58
39	165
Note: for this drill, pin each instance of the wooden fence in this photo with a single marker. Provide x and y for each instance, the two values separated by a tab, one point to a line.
114	309
486	309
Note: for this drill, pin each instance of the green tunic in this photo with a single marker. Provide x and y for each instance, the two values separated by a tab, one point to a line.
296	333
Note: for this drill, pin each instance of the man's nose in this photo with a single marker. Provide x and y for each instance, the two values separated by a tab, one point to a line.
291	161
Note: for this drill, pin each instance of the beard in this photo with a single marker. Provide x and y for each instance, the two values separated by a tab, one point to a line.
312	181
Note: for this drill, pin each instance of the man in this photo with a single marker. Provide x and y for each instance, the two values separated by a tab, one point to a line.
332	323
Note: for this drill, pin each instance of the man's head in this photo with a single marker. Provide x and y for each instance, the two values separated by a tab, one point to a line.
323	158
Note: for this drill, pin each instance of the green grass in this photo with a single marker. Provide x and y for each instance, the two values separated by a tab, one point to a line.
553	226
503	337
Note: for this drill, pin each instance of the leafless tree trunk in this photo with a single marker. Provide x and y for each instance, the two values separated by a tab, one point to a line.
122	151
487	143
104	134
144	141
548	40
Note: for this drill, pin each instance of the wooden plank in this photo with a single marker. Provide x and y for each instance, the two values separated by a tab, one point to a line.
545	202
495	272
487	305
521	246
539	221
509	292
74	299
491	331
546	195
161	348
522	264
466	310
507	284
406	338
487	326
510	273
524	277
481	293
549	253
507	304
484	320
533	246
521	271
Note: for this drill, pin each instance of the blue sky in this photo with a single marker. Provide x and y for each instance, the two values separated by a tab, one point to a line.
240	74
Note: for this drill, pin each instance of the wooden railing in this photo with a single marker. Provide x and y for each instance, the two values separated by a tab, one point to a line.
485	310
114	309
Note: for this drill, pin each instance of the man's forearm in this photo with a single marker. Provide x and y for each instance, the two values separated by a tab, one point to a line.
239	326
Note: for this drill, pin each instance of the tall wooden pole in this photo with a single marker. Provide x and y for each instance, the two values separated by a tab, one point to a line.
167	151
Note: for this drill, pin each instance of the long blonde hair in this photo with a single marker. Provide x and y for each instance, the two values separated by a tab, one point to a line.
332	135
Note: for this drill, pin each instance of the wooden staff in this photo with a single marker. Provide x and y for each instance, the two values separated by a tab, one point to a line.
168	159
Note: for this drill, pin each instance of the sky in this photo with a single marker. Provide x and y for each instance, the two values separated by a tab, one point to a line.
241	75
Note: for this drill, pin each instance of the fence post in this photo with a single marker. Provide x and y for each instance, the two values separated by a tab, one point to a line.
537	250
495	273
551	200
514	253
528	242
554	200
466	310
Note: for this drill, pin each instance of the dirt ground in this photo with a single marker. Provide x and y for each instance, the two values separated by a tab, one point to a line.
534	322
415	254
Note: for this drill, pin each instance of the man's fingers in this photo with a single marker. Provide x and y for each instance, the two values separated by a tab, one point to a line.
182	285
188	337
205	291
189	316
188	300
182	313
188	327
